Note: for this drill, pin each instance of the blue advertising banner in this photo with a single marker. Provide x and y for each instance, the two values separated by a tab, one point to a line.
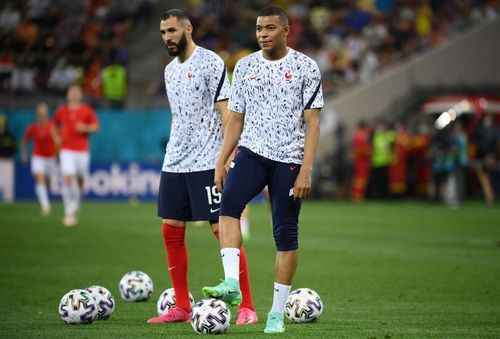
111	181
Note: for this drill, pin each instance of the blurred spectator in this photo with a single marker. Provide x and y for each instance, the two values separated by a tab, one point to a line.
382	143
10	16
486	138
6	69
484	12
443	166
23	77
398	169
420	165
357	18
92	84
460	145
62	76
7	151
26	32
362	160
423	19
114	84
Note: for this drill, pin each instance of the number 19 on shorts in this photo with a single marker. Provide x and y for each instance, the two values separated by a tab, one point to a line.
213	196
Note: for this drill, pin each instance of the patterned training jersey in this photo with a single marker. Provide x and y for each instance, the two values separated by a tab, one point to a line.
193	87
273	96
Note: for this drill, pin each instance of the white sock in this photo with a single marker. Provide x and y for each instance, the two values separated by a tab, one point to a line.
66	197
231	262
75	198
281	293
43	196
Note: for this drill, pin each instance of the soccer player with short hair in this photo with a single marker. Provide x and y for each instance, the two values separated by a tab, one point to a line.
197	87
43	159
275	104
76	121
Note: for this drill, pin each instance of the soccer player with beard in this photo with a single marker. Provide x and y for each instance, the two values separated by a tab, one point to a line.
275	104
43	159
197	88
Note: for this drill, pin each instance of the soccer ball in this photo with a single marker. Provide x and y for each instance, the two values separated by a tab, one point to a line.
136	286
78	307
303	306
210	316
104	300
166	301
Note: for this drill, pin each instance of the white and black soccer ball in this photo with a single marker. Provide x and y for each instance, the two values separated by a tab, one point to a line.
303	305
136	286
210	316
166	301
104	300
78	307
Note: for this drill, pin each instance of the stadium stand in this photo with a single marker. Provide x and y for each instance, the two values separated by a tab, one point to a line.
46	45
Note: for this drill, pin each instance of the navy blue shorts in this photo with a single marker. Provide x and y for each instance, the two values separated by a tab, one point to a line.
248	175
188	196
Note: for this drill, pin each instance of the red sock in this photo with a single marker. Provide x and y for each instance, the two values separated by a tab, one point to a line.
246	292
177	260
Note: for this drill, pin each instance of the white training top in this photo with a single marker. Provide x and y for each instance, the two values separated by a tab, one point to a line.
273	96
193	87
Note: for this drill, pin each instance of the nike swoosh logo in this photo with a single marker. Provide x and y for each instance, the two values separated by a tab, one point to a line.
214	210
276	290
171	268
293	167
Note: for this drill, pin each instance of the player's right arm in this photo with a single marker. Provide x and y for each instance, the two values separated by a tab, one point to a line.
231	136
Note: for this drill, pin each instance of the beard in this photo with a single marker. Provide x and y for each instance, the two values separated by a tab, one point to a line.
181	47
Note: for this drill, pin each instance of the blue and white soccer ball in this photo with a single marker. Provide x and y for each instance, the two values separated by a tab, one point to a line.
210	316
303	305
78	307
136	286
166	301
104	300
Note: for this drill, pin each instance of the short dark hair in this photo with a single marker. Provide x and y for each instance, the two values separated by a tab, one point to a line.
272	11
177	13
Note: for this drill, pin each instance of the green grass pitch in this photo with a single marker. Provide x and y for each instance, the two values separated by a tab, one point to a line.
383	270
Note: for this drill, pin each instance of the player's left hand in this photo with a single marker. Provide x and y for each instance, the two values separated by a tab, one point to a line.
302	186
220	176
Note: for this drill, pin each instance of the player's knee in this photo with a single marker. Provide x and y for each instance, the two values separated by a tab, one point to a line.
286	237
68	180
231	205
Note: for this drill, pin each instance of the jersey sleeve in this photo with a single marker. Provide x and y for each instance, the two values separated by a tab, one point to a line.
313	93
91	116
236	96
217	79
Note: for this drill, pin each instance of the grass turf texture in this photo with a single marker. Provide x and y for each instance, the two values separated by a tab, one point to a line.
392	270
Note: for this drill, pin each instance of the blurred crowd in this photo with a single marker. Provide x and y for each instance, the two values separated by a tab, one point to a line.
449	164
350	40
48	44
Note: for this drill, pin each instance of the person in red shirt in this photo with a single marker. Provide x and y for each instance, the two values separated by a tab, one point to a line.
43	160
76	121
362	161
398	169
